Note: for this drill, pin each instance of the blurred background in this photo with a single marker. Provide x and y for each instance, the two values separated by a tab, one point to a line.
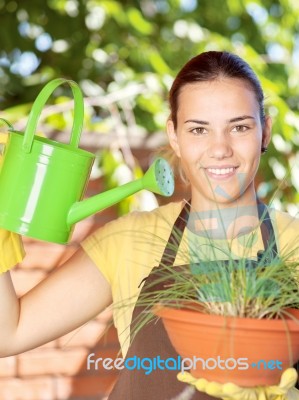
124	55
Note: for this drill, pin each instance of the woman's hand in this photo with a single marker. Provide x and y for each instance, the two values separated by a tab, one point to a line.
11	250
229	391
11	247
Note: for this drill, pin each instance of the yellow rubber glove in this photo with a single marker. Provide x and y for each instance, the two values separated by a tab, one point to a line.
11	248
229	391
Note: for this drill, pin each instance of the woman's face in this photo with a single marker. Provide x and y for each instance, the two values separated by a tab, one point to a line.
219	137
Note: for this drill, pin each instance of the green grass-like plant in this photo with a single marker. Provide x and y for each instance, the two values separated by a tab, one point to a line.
244	287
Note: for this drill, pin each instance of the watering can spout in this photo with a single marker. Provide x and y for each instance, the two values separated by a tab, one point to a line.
158	179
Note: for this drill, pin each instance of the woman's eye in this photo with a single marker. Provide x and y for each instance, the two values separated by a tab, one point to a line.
240	128
199	131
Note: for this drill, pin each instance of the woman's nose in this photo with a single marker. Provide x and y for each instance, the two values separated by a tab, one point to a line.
220	147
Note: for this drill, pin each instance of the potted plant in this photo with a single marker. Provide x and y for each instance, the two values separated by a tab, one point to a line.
236	321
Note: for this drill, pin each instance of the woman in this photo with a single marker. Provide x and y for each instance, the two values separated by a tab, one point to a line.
218	131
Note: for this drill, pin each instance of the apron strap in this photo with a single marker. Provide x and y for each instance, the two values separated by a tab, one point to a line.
176	234
175	237
267	230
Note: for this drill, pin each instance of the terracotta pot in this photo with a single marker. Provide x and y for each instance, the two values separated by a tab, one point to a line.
245	351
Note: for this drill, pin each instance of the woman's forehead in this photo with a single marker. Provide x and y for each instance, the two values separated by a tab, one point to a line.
218	87
219	96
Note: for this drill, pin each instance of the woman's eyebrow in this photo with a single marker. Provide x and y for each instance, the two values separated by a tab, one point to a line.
197	121
236	119
241	118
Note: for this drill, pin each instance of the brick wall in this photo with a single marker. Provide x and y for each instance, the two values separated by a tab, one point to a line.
57	370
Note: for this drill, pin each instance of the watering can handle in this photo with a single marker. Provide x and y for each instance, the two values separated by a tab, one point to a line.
38	105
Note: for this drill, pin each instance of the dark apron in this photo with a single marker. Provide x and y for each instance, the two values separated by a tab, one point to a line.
152	340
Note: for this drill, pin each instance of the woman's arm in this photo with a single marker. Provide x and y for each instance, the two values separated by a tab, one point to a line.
70	296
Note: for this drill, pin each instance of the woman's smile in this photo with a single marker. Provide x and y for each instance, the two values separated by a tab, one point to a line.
220	172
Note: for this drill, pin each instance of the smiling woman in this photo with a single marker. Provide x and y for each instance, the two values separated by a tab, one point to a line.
218	130
218	139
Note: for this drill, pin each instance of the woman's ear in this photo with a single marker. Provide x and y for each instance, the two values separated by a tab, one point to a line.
267	131
172	137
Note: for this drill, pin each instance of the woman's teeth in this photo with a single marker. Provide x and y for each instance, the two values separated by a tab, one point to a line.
221	171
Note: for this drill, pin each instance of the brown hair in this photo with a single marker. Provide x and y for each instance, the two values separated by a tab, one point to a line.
209	66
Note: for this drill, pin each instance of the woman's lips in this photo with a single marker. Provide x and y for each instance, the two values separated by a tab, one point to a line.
220	173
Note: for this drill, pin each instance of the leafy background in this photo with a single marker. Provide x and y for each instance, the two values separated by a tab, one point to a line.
124	55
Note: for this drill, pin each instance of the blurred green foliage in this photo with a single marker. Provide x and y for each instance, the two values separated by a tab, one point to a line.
106	45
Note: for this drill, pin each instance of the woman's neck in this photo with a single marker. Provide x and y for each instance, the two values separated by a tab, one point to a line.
224	220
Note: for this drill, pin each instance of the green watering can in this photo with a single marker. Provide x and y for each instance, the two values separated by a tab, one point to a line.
43	181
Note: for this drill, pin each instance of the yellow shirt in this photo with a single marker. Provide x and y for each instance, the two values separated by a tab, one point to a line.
126	250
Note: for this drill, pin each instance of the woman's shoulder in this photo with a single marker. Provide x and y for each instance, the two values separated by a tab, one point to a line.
142	220
284	221
167	213
287	229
